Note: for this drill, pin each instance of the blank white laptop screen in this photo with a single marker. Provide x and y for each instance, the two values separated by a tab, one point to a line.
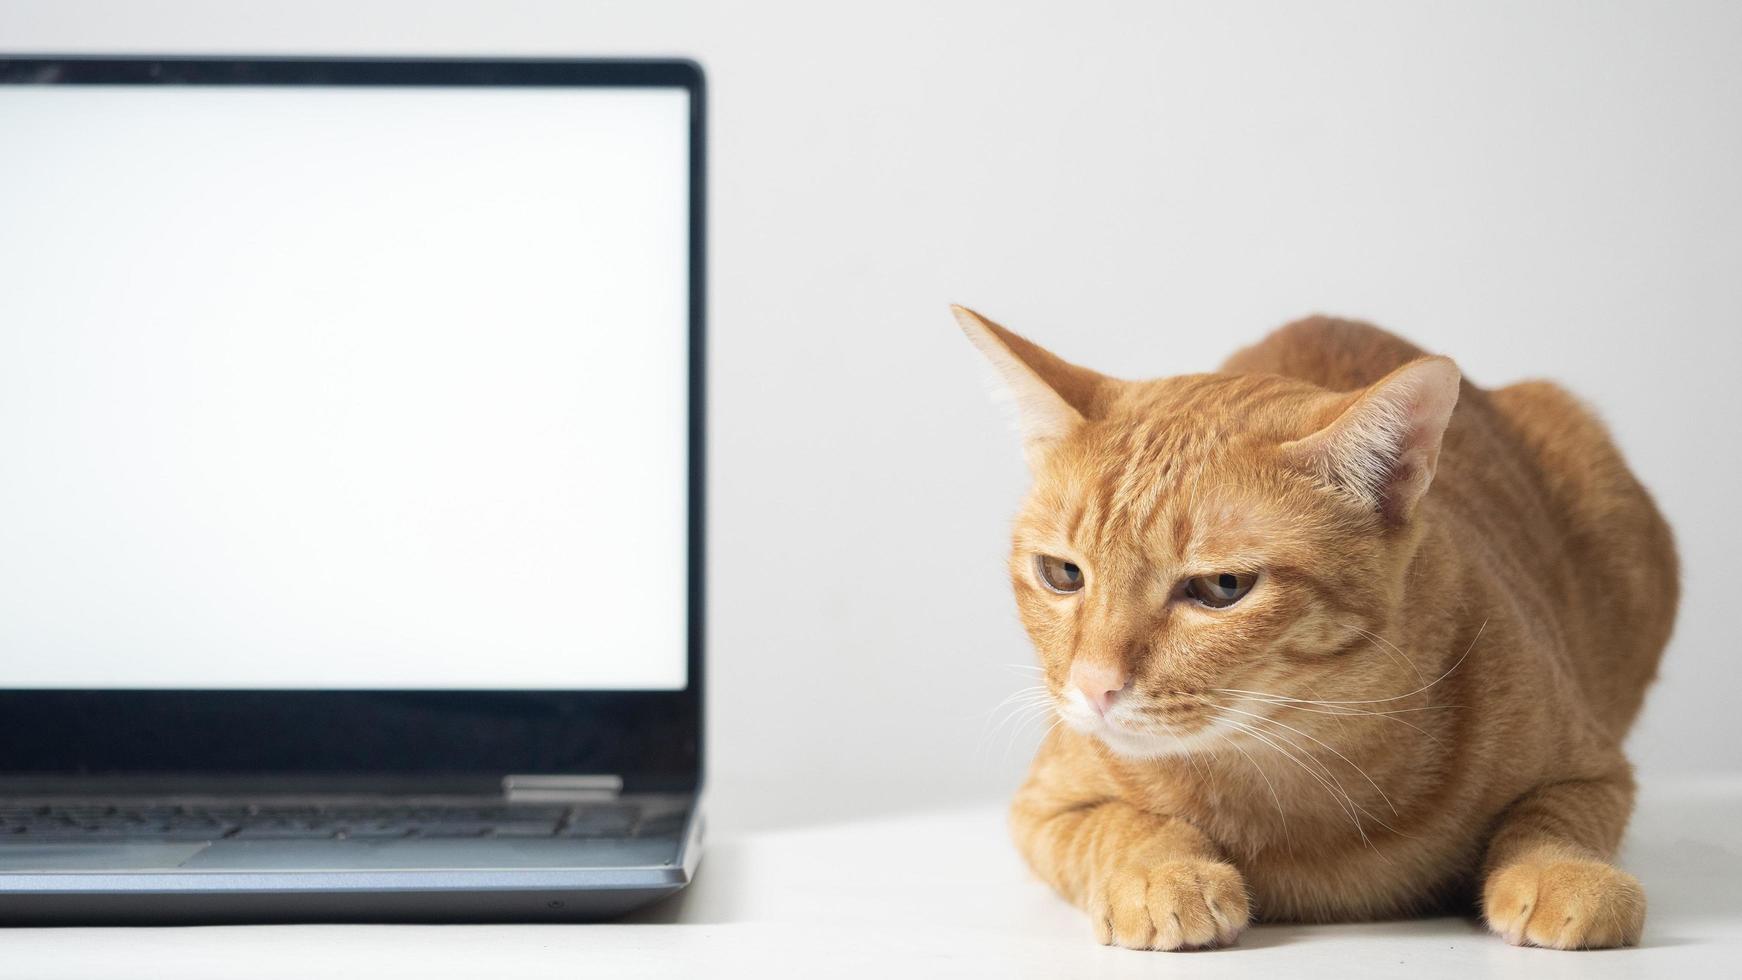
343	388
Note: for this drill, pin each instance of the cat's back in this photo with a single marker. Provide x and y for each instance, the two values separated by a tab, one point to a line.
1341	355
1531	476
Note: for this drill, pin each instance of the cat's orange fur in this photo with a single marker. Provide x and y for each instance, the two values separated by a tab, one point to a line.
1422	699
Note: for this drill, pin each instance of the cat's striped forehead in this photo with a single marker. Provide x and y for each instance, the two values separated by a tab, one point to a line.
1167	459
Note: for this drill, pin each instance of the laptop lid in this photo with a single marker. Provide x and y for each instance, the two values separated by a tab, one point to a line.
351	419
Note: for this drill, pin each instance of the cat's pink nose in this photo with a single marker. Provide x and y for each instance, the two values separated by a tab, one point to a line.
1100	683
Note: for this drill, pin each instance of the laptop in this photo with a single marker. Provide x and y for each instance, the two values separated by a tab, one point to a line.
351	488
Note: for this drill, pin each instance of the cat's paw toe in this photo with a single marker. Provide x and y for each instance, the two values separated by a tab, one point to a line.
1175	905
1565	905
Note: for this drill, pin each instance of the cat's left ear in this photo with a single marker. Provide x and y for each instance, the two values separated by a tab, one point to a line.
1053	397
1385	446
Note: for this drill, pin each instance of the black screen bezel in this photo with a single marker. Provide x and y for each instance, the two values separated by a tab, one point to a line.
653	739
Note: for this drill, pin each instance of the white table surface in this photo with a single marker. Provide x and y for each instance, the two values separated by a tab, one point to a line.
940	894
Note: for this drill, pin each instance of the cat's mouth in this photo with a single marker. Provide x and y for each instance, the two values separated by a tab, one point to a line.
1163	727
1154	742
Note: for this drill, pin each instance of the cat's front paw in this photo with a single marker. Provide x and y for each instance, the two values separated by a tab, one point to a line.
1565	905
1175	905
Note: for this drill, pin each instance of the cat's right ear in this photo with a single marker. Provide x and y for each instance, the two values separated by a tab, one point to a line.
1053	397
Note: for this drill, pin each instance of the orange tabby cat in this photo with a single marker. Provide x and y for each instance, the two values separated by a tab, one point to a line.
1334	635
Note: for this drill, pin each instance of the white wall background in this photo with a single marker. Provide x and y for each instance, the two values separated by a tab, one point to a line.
1537	189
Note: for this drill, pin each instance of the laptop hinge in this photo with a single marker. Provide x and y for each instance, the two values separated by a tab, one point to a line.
561	789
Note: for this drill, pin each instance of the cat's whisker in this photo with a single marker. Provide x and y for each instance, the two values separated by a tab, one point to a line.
1391	648
1337	793
1025	701
1025	706
1321	767
1325	769
1016	732
1342	728
1190	756
1300	704
1281	814
1419	690
1306	757
1020	692
1326	707
1019	703
1018	699
1299	756
1330	748
1056	722
1018	721
1022	710
1031	691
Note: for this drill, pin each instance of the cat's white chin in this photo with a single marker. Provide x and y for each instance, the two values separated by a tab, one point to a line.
1137	745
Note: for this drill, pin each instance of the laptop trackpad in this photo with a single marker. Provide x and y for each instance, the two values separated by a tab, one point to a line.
131	856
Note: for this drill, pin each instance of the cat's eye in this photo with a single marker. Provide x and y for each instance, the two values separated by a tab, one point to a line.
1058	575
1221	590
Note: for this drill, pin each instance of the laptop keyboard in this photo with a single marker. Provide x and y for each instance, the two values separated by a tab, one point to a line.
330	822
